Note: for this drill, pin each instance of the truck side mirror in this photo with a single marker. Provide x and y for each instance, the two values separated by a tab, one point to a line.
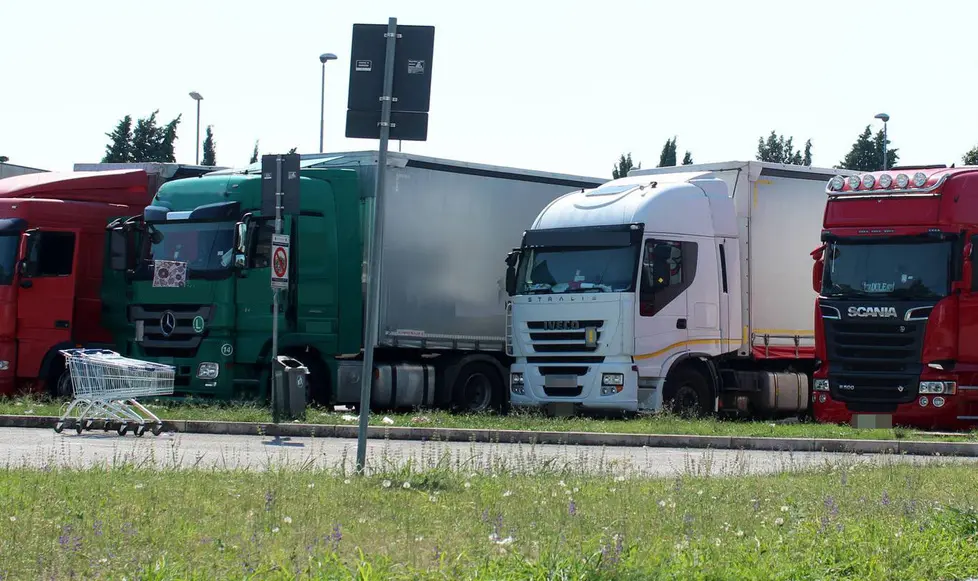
512	260
818	269
28	263
240	244
118	251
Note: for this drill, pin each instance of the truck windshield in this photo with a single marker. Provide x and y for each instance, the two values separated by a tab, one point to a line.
577	270
8	257
204	246
899	270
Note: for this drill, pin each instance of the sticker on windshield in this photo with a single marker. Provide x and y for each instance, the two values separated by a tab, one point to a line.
169	273
198	324
878	287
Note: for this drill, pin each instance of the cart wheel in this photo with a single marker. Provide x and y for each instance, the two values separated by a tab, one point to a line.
157	429
123	428
140	430
79	427
59	427
106	426
88	424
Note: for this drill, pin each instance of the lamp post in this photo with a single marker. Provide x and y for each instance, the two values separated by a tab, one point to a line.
323	58
196	97
884	118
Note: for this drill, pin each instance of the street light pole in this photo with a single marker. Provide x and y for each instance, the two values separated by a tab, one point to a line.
883	117
196	97
323	58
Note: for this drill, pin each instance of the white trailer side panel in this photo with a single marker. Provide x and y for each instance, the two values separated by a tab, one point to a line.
785	222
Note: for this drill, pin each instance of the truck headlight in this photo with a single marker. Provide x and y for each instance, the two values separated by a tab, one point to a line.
820	385
516	383
208	370
612	379
938	387
4	365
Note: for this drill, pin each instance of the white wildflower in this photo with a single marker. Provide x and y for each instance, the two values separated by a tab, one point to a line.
619	478
386	484
418	539
467	485
138	486
784	509
347	481
13	519
313	484
287	520
507	493
779	521
662	504
406	485
739	533
275	530
699	493
350	418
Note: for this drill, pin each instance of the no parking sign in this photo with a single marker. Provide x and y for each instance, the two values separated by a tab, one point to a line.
280	261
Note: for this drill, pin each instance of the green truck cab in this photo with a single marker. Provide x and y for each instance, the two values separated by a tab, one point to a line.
215	326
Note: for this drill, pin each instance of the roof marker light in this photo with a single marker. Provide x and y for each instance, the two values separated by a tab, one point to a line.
886	181
853	182
902	181
919	179
869	181
837	183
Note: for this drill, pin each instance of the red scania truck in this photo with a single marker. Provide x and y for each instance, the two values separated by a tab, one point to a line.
52	248
896	318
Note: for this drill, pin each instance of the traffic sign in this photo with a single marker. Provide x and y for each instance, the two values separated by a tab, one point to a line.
280	261
289	184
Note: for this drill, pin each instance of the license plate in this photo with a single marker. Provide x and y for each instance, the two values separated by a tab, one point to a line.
560	381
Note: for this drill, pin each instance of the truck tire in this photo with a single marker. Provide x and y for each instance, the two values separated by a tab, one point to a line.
477	389
59	381
686	393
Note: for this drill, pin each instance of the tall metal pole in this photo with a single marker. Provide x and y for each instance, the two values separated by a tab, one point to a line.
322	109
373	252
197	162
276	388
884	146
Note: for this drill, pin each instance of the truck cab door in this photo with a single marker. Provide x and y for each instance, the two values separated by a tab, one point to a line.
662	321
121	251
253	295
46	298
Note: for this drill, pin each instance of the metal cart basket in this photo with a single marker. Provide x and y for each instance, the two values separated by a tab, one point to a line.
105	386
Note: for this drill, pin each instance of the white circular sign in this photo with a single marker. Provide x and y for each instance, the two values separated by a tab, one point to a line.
227	349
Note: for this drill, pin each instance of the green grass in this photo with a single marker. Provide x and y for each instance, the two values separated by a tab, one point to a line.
837	522
659	424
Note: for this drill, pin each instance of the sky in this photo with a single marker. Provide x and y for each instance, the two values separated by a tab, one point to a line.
562	86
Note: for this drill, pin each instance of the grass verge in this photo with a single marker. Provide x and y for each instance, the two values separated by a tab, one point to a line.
839	522
522	420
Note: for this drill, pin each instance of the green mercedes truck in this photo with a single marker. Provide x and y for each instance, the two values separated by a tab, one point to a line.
198	293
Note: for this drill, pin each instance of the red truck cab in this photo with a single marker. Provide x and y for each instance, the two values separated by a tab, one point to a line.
896	318
52	247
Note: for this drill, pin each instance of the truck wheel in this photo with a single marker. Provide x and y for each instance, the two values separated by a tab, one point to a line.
60	386
478	388
686	393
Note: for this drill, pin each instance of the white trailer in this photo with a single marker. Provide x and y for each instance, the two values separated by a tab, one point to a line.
688	286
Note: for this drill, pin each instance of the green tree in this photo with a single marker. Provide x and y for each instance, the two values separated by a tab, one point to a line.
623	166
777	149
688	158
867	153
145	142
254	153
210	154
668	156
971	158
119	149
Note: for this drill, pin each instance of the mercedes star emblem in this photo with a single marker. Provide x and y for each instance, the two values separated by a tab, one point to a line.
168	323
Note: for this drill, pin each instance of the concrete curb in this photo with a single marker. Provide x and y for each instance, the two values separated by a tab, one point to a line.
918	448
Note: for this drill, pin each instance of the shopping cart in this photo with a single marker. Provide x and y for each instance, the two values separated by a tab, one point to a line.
105	387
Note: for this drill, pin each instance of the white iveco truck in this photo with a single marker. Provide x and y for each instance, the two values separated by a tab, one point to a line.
684	286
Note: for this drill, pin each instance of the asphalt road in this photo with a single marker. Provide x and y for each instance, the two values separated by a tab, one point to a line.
39	448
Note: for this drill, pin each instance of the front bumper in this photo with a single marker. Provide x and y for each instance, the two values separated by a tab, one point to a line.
959	412
586	394
186	383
